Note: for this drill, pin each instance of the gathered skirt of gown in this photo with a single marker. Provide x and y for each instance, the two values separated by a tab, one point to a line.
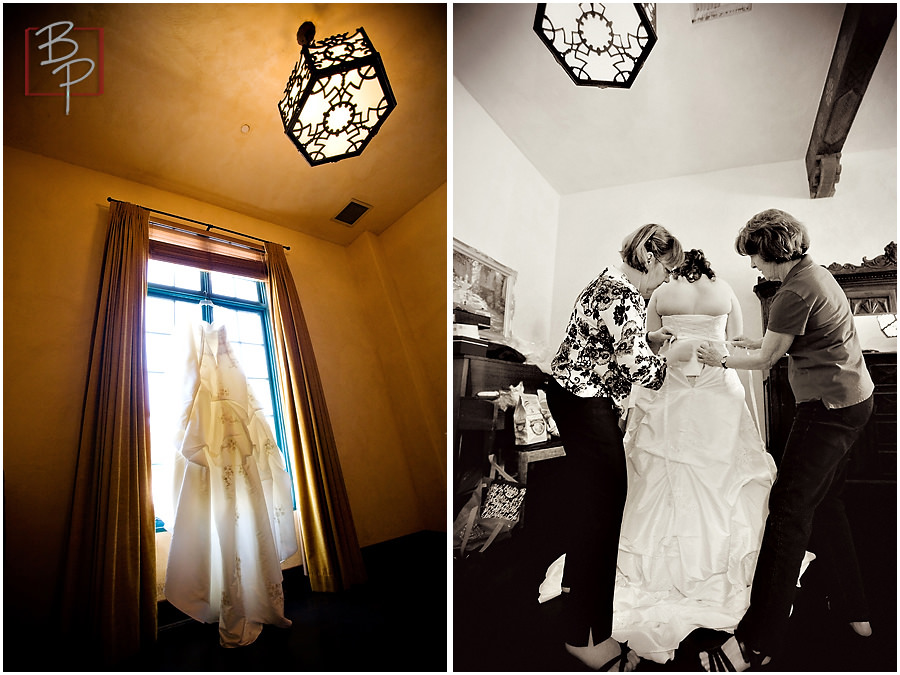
698	484
233	517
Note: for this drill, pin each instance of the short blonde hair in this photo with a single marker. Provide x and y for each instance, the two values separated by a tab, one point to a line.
653	239
773	235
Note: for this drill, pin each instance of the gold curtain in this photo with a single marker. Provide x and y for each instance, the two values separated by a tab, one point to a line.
334	561
108	605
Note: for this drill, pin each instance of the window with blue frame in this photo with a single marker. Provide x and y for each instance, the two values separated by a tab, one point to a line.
177	297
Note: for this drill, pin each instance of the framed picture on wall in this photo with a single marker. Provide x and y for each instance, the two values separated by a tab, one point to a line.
483	286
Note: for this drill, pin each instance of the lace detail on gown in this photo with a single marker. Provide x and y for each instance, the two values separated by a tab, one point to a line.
233	495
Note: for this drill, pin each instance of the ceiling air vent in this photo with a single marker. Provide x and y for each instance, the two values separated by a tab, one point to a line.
351	213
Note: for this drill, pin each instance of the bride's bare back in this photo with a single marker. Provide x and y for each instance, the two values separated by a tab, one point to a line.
711	298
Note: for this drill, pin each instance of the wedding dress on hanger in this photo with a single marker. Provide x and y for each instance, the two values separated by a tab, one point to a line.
233	507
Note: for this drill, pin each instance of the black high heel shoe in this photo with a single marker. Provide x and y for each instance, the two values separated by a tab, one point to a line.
616	664
732	656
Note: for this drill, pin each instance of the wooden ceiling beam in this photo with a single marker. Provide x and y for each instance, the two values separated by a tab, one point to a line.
864	31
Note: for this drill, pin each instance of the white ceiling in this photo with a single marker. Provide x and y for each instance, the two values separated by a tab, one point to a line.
741	90
180	80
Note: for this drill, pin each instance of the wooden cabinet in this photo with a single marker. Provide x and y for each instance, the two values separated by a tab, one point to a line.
871	288
480	428
875	453
475	374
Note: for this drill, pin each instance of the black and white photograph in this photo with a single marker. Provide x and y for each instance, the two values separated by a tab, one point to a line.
700	204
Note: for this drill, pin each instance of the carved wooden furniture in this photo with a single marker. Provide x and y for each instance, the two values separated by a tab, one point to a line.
871	288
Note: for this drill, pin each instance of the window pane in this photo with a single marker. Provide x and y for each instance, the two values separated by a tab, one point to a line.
187	277
159	347
187	312
166	339
241	326
166	347
228	318
170	274
250	328
161	273
158	401
164	412
271	420
244	330
252	359
233	286
160	315
263	394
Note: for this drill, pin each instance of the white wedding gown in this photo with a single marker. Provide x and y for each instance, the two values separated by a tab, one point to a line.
698	483
233	516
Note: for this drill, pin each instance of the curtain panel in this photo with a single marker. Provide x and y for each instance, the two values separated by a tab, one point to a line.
334	560
108	604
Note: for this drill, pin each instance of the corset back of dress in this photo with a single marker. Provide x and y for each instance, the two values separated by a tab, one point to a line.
696	328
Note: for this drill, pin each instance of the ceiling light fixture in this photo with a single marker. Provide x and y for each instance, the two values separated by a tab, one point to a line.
337	96
598	45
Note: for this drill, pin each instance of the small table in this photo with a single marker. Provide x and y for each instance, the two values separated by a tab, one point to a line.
535	453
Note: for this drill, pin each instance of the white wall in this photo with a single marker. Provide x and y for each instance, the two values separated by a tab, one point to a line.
706	211
505	209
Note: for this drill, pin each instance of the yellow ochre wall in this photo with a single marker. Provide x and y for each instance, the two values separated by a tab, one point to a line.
376	311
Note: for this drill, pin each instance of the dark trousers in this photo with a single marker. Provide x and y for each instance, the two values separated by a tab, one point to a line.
593	494
806	513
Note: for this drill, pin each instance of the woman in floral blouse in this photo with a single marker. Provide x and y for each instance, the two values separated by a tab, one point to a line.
606	349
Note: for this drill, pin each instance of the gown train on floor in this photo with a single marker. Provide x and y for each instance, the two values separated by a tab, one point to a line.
698	483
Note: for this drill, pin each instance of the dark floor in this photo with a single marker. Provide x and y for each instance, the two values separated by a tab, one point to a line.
499	625
397	621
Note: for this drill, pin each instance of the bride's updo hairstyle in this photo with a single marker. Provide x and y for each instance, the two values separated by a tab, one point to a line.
653	239
695	266
773	235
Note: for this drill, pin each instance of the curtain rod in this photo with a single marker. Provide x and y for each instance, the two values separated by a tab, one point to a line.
206	225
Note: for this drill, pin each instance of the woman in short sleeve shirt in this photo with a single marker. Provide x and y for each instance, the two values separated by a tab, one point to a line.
809	320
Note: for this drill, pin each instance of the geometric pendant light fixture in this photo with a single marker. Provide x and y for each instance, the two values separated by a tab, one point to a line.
337	96
598	45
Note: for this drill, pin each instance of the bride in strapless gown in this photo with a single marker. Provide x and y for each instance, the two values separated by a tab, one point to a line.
698	483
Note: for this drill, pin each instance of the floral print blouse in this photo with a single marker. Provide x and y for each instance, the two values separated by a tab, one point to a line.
605	351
